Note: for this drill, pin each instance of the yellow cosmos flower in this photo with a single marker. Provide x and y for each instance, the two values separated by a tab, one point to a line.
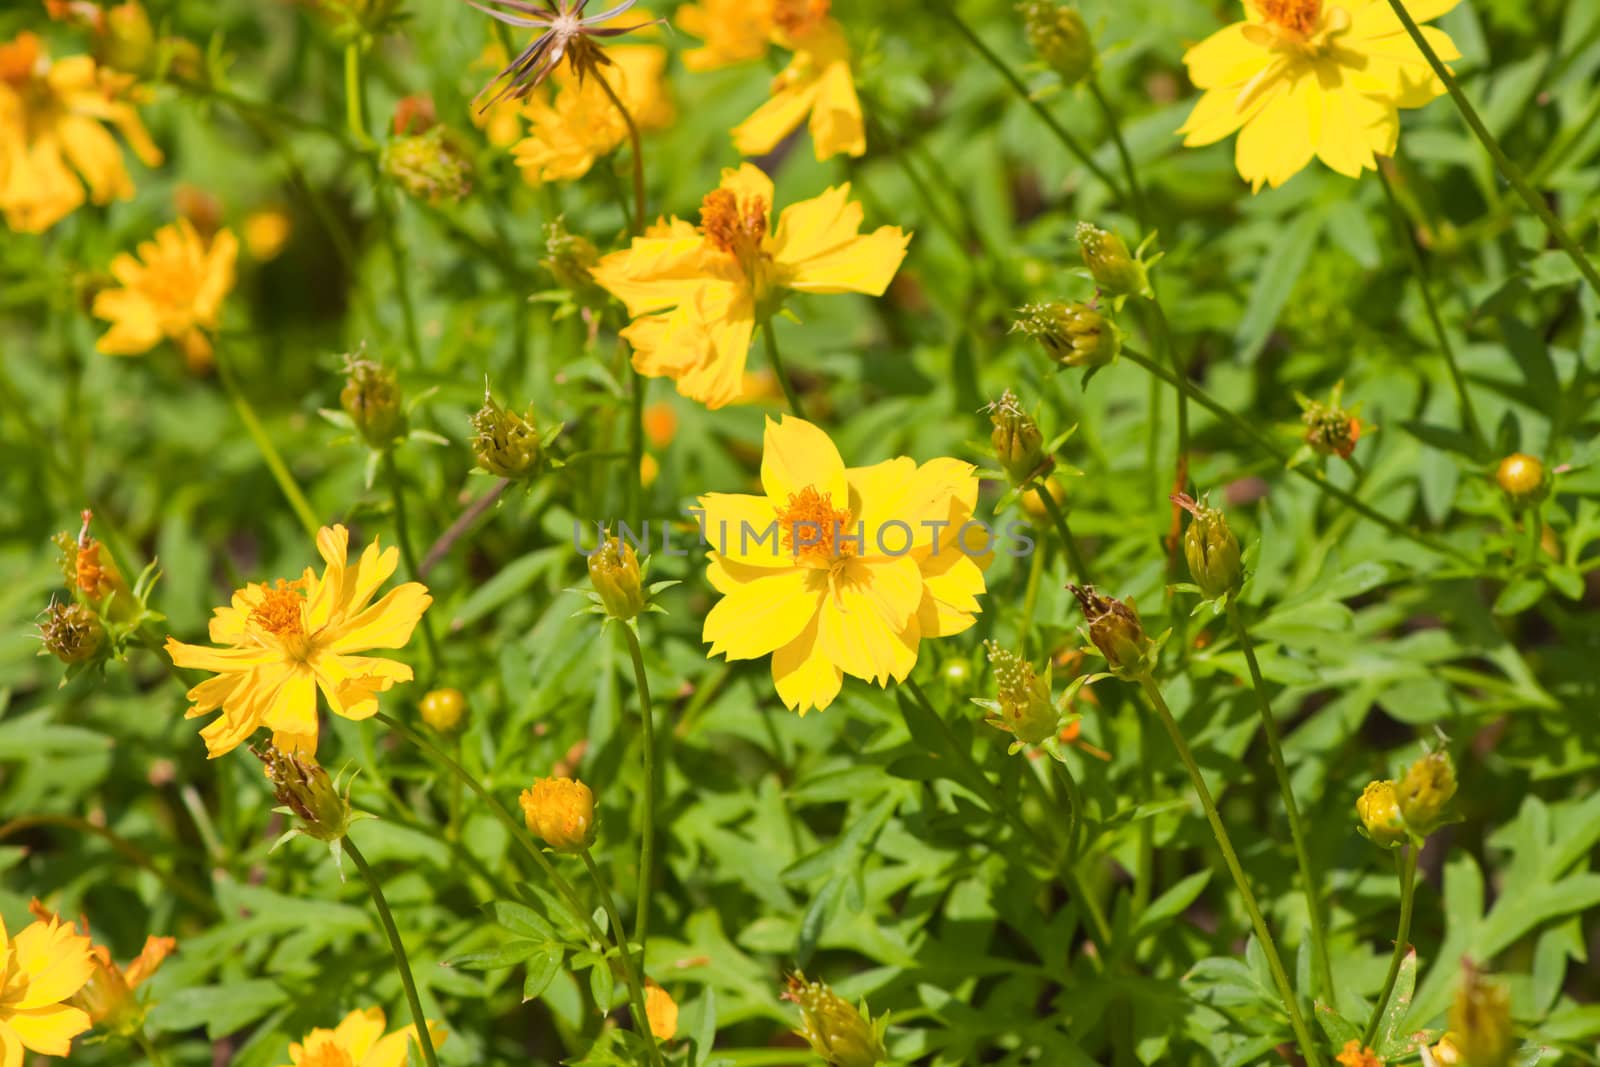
40	968
817	84
580	124
51	132
696	293
358	1041
838	570
1304	78
108	995
734	31
173	290
283	642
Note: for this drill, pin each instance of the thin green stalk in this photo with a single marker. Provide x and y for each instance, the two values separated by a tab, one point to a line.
1297	830
419	1021
630	970
1510	170
1180	373
152	1054
355	96
1535	527
1468	414
1069	142
1280	977
399	263
1141	207
1080	570
1405	861
269	451
641	918
775	358
402	534
1099	928
639	212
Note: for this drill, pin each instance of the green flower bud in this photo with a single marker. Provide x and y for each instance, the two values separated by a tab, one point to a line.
1379	810
570	258
71	632
1115	270
1115	629
1018	444
1425	790
428	166
1026	709
1480	1020
1330	429
614	573
371	397
305	791
1073	334
1211	549
842	1035
1061	39
1523	480
505	443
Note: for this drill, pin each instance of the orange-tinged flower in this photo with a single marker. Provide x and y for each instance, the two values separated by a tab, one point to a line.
41	968
734	31
266	232
836	570
661	1011
108	994
1299	79
358	1041
284	642
580	124
1355	1054
696	293
561	812
173	290
816	87
53	136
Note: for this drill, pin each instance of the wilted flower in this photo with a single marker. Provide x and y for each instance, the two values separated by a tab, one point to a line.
1073	334
1115	629
560	812
429	166
1059	36
108	996
1379	810
1026	708
506	444
566	33
1018	444
1522	478
842	1035
1480	1019
443	709
1211	549
614	573
371	397
304	789
1425	790
72	632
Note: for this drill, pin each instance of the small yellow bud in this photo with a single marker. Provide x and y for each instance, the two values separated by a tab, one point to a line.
1211	549
1061	39
371	397
1114	268
570	258
1018	444
661	1011
1379	810
1074	334
1424	791
1445	1052
302	786
72	633
1025	708
1522	479
1480	1020
836	1031
505	443
429	165
560	812
128	41
443	709
614	573
1115	629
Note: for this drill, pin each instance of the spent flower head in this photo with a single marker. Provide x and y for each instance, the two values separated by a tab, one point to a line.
1480	1019
303	789
430	165
1116	631
1425	792
1025	707
565	33
1331	430
72	633
1074	334
843	1035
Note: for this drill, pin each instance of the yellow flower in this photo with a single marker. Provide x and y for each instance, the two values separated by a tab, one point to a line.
107	996
569	133
816	83
661	1011
837	570
40	968
734	31
52	132
266	232
173	290
696	293
561	812
1304	78
283	642
358	1041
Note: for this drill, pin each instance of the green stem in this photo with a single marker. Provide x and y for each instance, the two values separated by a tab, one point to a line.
152	1054
419	1021
1080	570
399	263
1510	170
1179	373
641	918
269	451
402	534
630	970
1141	207
636	227
1534	521
775	358
355	92
1099	929
1468	414
1297	830
1405	861
1280	977
1030	600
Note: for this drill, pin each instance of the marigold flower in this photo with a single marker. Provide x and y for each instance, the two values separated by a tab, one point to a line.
661	1011
46	964
53	137
560	812
1304	78
284	642
172	290
697	293
358	1041
108	995
836	570
569	131
734	31
816	87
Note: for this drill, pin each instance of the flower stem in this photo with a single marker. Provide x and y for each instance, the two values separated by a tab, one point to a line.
1280	977
402	534
355	92
1297	830
447	540
641	918
269	451
630	970
1141	207
152	1054
1080	570
1405	861
639	217
1510	170
775	358
1419	268
419	1022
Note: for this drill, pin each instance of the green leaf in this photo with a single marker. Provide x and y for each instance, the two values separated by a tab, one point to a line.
1276	277
1394	1039
222	1009
543	966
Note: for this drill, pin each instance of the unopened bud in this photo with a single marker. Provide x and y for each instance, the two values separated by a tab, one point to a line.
1379	809
128	41
1073	334
505	443
1025	708
1425	790
614	573
1115	629
836	1031
305	791
1114	268
1523	480
1018	444
88	569
1330	429
443	709
72	632
428	165
1211	549
1058	34
1480	1020
560	812
570	258
371	397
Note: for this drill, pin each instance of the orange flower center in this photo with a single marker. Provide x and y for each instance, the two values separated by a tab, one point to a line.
326	1054
279	613
797	17
813	529
19	59
734	227
1296	16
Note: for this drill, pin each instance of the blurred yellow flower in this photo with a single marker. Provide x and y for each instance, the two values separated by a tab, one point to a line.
1304	78
108	994
52	132
568	133
837	570
734	31
266	232
817	84
283	642
696	293
661	1011
45	964
501	121
358	1041
172	290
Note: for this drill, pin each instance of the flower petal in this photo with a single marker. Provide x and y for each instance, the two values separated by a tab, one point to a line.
795	454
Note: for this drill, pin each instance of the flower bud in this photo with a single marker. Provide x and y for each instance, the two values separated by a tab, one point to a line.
72	633
1379	810
570	258
839	1033
1424	791
127	41
371	397
560	812
305	791
614	573
1061	39
429	166
505	443
1018	444
1114	268
1115	629
1073	334
443	709
1523	480
1211	549
1025	708
1480	1020
1330	429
